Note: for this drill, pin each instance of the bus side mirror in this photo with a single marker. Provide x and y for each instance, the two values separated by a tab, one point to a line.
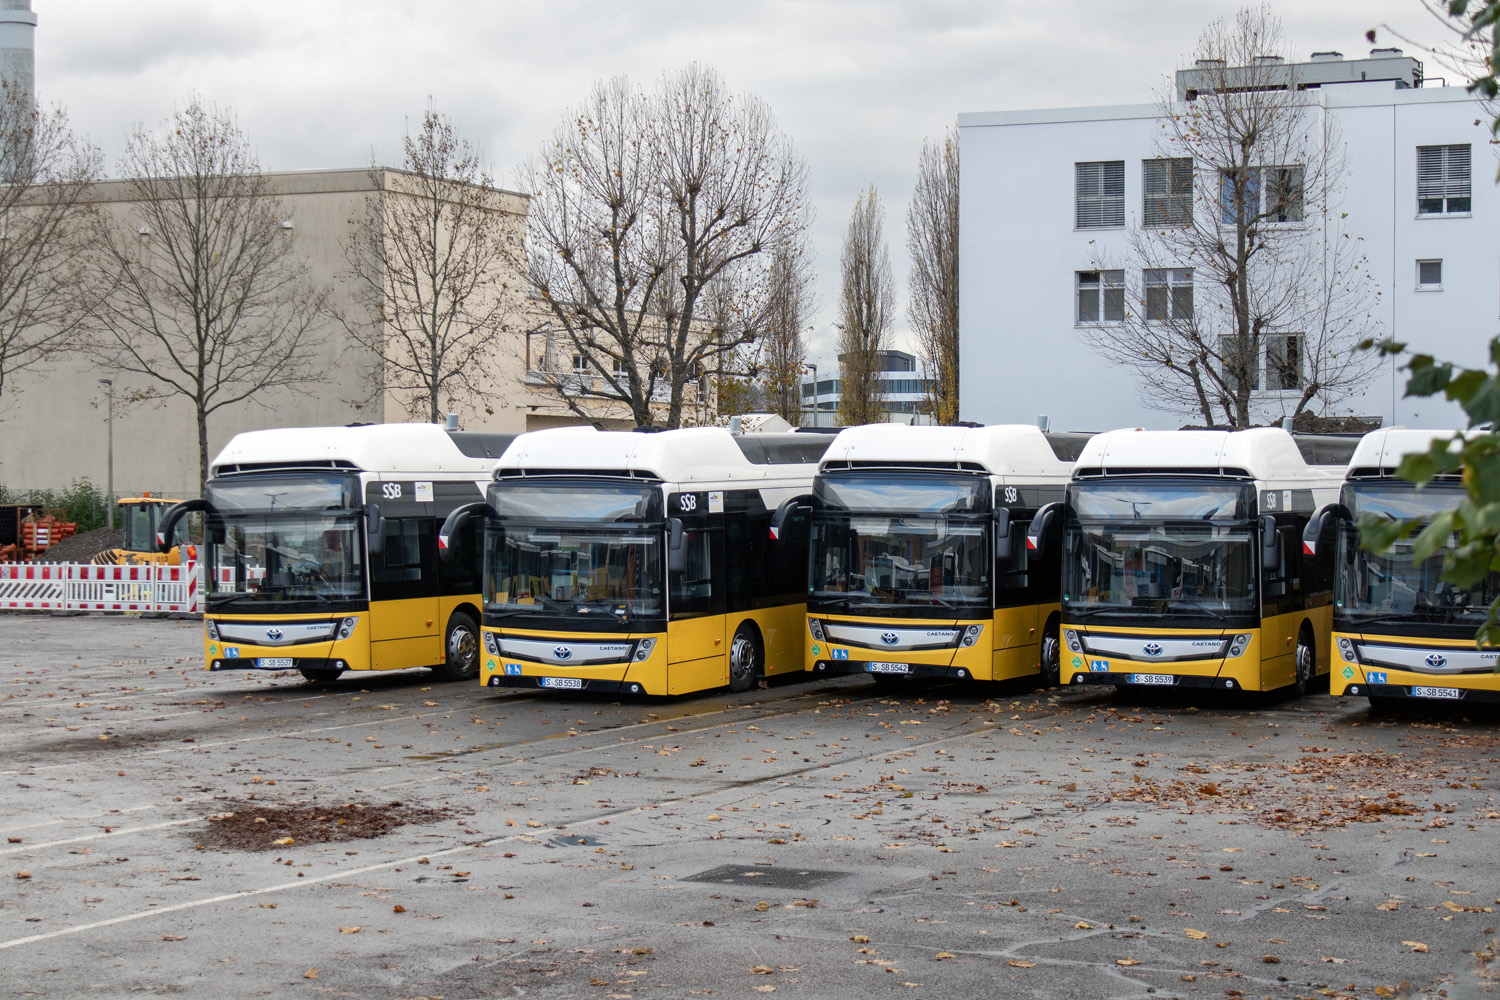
1040	530
1319	522
454	524
676	553
1004	540
789	508
173	517
374	529
1270	544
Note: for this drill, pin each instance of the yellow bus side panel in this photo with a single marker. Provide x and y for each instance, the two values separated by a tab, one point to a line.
409	619
781	631
397	654
1017	641
696	653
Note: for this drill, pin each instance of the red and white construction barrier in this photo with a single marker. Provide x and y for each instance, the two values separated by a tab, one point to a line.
87	587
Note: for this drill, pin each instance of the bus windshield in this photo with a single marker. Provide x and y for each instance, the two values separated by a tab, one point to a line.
1162	547
298	557
864	559
1392	584
611	573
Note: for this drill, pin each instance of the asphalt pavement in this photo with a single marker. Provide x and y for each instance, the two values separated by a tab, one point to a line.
811	838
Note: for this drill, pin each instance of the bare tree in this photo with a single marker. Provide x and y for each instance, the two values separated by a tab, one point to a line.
866	304
787	315
46	176
1253	293
203	295
640	205
432	263
932	243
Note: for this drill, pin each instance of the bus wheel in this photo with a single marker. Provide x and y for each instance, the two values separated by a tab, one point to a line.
319	676
1307	663
462	647
744	658
1051	668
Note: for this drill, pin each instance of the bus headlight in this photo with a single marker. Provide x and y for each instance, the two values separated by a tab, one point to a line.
346	627
1071	638
972	633
1237	646
491	644
643	648
1346	650
211	629
816	628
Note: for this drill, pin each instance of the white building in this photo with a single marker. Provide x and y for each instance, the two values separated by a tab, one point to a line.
903	391
1032	232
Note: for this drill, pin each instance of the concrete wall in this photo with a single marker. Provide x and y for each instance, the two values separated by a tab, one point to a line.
1025	355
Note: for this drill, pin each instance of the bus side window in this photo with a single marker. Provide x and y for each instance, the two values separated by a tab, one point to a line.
1286	580
461	575
407	566
693	591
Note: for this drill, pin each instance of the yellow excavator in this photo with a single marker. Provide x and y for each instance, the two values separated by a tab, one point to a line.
139	519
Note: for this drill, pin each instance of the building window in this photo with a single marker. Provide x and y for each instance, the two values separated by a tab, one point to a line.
1429	276
1169	294
619	369
1283	362
1101	296
1270	194
1101	194
1443	179
580	365
1168	192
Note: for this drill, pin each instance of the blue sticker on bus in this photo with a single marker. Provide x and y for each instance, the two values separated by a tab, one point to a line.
232	652
1375	676
1099	666
841	654
513	670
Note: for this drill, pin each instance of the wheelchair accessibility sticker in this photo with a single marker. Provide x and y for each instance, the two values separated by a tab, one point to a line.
232	652
1099	666
513	670
841	654
1375	676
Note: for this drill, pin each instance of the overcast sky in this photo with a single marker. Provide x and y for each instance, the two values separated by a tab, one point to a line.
857	84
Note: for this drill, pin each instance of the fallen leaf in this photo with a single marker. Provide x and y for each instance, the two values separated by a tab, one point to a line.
283	842
350	930
763	970
764	989
1416	946
23	873
1388	906
860	938
1195	935
1021	963
1126	961
174	937
944	954
310	974
268	906
1083	925
398	908
1270	959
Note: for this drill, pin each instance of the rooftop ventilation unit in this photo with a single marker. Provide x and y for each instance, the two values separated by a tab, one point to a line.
1327	56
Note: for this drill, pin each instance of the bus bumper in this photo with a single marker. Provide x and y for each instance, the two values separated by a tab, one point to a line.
1132	679
877	668
1371	666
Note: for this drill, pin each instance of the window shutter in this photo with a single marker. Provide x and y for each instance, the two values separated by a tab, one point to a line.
1100	200
1443	171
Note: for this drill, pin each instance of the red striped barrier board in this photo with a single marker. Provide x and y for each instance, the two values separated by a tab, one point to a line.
87	587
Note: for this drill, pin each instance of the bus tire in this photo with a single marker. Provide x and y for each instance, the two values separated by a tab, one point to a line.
318	676
1307	662
745	658
461	648
1051	665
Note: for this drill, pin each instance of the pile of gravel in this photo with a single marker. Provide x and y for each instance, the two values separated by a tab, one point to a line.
82	548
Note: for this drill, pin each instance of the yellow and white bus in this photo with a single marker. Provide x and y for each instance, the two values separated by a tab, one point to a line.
919	563
320	550
1401	633
643	562
1183	564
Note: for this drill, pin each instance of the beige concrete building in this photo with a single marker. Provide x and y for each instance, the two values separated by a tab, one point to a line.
54	420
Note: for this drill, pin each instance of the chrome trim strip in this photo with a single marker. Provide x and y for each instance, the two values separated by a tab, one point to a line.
1436	660
892	637
1169	649
291	633
579	654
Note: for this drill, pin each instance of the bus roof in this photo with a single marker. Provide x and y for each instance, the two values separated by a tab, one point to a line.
1379	452
1000	449
399	448
692	454
1262	453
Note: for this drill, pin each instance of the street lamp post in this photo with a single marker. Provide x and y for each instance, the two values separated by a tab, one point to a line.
815	392
109	499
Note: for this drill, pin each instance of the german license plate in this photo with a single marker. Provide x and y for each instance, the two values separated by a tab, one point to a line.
890	668
1151	679
1429	692
568	683
276	663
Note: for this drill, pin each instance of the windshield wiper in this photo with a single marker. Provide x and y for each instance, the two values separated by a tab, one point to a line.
1213	612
